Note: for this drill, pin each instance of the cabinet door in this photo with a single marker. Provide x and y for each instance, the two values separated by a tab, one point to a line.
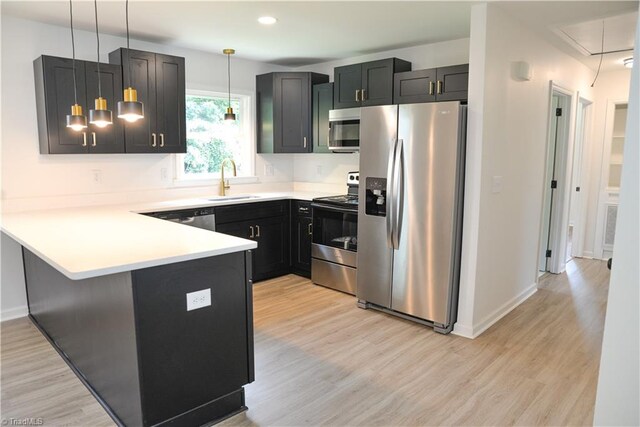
414	86
54	98
138	135
453	83
109	139
271	259
377	82
346	81
292	113
301	245
170	104
322	103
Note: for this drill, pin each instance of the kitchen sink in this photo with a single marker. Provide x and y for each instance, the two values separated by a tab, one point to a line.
222	198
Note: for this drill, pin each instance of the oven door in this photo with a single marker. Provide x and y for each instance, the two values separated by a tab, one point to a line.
335	236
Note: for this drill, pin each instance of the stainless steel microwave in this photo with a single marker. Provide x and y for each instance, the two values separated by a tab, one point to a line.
344	130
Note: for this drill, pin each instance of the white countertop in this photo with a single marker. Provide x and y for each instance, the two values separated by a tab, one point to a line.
96	241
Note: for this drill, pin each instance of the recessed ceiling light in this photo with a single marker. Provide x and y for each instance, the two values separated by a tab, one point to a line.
267	20
628	62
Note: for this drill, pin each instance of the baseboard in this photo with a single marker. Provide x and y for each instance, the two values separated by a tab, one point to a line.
587	254
14	313
474	331
464	331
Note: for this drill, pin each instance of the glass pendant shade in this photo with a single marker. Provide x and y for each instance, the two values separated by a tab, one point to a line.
100	117
229	115
76	120
130	109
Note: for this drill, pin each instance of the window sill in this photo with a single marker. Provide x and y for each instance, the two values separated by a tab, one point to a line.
214	180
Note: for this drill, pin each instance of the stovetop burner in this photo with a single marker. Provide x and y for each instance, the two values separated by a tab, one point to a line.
349	200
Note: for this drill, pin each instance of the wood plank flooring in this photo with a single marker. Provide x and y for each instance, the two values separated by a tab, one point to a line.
322	361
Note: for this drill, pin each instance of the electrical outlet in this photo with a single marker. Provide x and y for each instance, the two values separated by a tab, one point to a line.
198	299
97	175
496	184
268	170
318	169
163	174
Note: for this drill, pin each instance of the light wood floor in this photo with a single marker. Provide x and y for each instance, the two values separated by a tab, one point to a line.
322	361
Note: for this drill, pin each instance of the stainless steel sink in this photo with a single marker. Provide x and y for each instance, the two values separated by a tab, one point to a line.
223	198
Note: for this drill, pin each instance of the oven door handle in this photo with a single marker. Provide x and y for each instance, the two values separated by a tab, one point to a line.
334	208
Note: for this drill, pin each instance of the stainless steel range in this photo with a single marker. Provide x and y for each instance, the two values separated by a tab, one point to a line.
335	238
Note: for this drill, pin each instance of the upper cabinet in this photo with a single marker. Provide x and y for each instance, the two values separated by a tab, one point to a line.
366	84
55	96
322	104
284	111
160	83
435	84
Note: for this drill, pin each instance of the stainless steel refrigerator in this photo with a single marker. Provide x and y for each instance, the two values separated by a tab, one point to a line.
410	210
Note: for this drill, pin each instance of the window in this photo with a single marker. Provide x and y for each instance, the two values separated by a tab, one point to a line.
211	139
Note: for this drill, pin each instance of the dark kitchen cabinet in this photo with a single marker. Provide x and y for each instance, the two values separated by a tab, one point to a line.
160	83
322	104
55	96
284	111
268	224
435	84
366	84
301	234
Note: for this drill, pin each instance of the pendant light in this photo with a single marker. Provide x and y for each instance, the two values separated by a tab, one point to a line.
100	116
130	109
229	115
76	120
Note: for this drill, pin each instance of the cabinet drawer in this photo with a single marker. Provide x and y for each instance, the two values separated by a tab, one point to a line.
250	211
301	208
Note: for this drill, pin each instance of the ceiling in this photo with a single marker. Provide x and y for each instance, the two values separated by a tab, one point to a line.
315	31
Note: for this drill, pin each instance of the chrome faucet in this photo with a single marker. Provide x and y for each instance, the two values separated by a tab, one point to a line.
224	186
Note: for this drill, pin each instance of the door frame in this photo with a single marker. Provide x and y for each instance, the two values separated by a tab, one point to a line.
580	179
606	195
559	221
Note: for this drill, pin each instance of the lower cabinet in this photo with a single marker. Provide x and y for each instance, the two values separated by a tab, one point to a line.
301	233
268	224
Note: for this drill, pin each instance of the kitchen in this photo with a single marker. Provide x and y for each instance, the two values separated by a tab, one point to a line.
92	180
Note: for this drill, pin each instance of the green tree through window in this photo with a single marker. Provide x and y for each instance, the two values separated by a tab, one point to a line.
211	139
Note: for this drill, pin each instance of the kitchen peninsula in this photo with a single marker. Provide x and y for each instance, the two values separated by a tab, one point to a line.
154	317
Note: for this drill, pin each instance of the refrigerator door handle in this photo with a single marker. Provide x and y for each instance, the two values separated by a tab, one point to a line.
390	187
398	182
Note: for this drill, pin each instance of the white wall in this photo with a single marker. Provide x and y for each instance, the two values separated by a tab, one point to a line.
611	86
28	175
618	395
507	137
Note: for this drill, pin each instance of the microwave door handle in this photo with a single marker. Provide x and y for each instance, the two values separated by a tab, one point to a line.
398	190
390	175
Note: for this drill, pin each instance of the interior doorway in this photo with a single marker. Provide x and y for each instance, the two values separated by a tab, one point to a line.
578	190
552	235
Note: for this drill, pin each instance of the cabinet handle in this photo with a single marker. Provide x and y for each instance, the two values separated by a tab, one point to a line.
84	139
252	235
258	233
162	140
439	86
93	134
304	142
358	95
310	229
362	96
431	88
153	139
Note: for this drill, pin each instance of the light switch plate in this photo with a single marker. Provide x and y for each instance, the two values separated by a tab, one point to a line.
496	184
198	299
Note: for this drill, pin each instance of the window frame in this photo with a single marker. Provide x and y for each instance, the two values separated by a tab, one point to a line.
247	108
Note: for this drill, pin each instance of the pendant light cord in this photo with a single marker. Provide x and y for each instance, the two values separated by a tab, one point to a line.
95	4
128	50
601	55
73	53
229	76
